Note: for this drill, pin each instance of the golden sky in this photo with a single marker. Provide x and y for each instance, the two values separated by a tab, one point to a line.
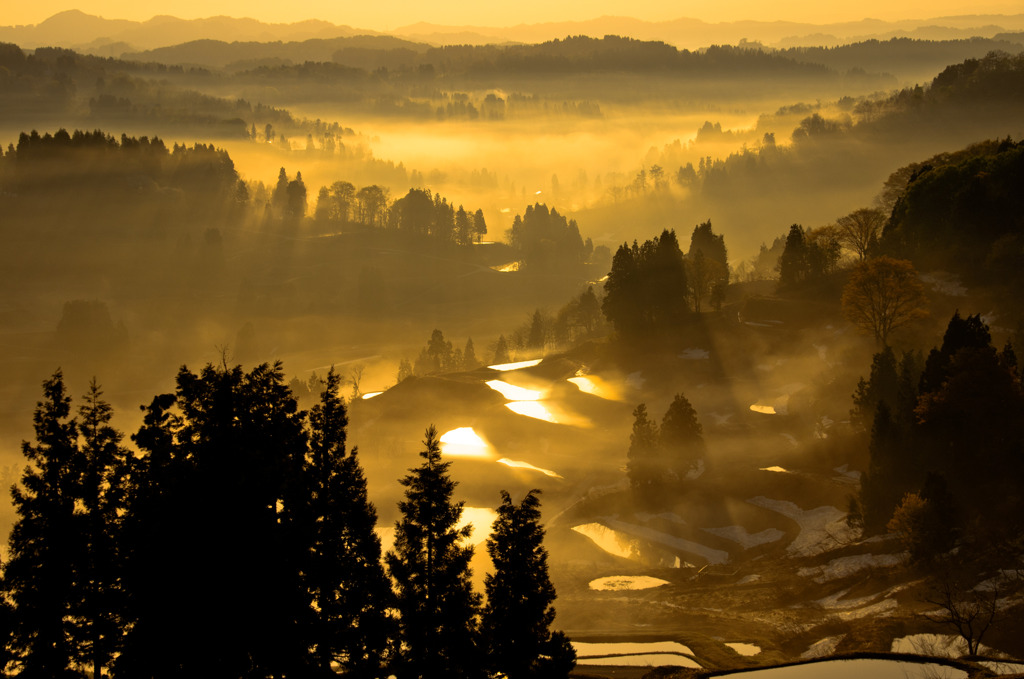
390	14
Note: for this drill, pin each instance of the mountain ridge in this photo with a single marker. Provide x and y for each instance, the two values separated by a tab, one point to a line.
79	30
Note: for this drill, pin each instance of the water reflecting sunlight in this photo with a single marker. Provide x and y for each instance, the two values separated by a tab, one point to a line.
519	464
514	393
464	442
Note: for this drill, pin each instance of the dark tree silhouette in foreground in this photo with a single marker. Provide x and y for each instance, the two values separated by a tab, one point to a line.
215	572
39	576
430	567
517	619
107	467
343	574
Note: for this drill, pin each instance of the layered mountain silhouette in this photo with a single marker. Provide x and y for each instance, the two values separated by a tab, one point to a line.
113	37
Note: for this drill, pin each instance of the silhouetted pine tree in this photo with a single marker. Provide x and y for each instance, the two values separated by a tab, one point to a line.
469	359
343	575
215	574
430	567
682	438
501	354
644	466
517	620
39	577
100	598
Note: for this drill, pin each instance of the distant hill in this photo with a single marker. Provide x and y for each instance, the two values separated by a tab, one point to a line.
90	34
694	33
908	59
218	54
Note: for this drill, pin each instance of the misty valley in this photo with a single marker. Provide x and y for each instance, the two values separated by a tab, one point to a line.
372	355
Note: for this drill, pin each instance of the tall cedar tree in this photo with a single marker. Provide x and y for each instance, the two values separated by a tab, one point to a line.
517	619
430	567
682	439
44	544
646	291
216	566
343	575
107	470
644	466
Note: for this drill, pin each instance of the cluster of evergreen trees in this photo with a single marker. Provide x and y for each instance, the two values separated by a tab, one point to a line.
653	288
545	239
239	541
946	430
440	356
660	457
421	214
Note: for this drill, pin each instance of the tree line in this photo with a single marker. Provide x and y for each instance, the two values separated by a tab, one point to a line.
944	438
238	540
579	320
653	288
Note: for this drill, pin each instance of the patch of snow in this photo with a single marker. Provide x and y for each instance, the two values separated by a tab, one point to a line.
635	380
747	540
715	556
883	608
832	601
820	528
696	471
848	565
845	473
744	649
618	583
940	645
1002	667
775	468
695	354
763	409
1000	581
822	648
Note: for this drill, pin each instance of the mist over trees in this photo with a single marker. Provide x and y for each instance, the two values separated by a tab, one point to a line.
233	532
937	429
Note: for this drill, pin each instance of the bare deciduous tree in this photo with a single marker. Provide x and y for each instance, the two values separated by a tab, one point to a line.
970	612
859	230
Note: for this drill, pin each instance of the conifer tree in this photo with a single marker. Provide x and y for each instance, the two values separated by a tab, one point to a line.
682	439
39	577
343	575
430	567
224	595
107	469
469	359
643	466
517	619
501	354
